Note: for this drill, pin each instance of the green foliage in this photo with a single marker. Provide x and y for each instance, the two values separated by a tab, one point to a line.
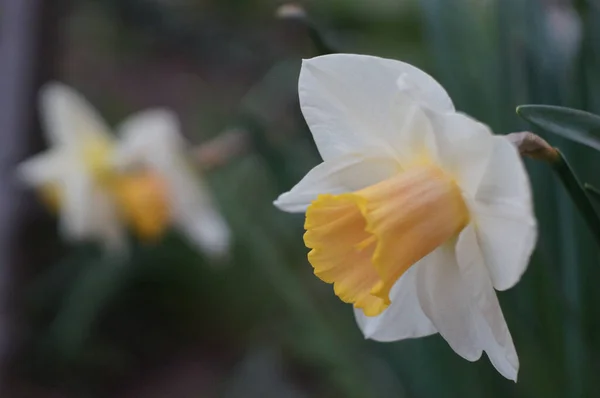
572	124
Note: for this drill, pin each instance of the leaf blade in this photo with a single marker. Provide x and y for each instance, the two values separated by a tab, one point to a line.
573	124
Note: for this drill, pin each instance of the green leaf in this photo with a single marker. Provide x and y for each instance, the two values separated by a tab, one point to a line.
592	191
575	125
576	191
92	290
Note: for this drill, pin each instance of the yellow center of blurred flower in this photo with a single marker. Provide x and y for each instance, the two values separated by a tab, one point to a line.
141	197
364	241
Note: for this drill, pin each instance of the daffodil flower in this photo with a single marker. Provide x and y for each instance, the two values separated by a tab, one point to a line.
82	176
151	141
72	174
417	212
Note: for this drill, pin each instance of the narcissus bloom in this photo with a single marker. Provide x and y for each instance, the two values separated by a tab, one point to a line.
100	186
151	142
417	212
74	174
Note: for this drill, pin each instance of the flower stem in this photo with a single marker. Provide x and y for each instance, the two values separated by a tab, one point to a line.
293	11
577	193
592	190
534	147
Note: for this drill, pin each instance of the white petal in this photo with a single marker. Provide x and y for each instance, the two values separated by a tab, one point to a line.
464	146
403	319
192	207
206	228
410	132
503	213
447	303
89	214
75	211
344	174
424	93
44	168
493	334
502	355
194	213
149	136
106	224
505	177
68	118
347	100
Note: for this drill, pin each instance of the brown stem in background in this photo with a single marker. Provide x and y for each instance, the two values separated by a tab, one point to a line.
222	149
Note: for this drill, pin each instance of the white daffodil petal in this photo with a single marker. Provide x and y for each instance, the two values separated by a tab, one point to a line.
447	303
507	236
207	229
43	168
107	226
505	177
344	174
503	213
193	210
346	100
503	357
148	135
69	119
424	94
493	334
403	319
464	146
411	132
76	211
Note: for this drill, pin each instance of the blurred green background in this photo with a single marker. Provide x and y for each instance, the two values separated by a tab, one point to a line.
169	324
